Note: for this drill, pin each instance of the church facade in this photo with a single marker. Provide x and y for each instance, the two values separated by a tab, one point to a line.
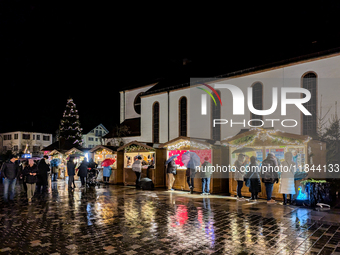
168	112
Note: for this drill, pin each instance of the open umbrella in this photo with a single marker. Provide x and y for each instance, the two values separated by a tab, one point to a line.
191	159
108	162
55	162
171	158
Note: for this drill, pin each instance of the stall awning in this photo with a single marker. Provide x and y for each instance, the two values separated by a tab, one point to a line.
112	149
186	143
135	146
265	137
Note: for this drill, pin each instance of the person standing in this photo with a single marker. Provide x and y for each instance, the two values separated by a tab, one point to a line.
287	185
82	171
43	170
30	172
171	171
254	179
206	175
269	175
106	173
55	170
239	174
10	171
71	171
137	168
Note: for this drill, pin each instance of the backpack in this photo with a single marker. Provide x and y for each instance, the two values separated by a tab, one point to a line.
268	175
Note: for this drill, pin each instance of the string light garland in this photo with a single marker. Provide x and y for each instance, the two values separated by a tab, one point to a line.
265	135
188	144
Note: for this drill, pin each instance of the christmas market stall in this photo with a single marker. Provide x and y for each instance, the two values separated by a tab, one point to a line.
102	152
60	157
205	151
78	154
259	142
152	162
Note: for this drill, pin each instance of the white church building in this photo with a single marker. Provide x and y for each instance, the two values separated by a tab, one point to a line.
161	113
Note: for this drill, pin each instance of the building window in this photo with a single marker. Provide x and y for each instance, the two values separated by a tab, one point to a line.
33	137
15	148
26	136
36	149
309	122
183	116
7	137
90	138
257	103
16	136
38	137
155	122
137	103
46	138
216	114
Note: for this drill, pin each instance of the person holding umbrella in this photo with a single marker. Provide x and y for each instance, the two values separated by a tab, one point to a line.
107	169
191	160
171	169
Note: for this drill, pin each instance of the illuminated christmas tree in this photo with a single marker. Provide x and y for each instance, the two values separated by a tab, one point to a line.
70	129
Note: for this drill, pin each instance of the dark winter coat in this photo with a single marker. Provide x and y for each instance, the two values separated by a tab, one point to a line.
171	167
83	169
71	168
10	170
254	178
92	164
43	170
270	175
31	169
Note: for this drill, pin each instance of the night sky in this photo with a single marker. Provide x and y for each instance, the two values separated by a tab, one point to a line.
52	50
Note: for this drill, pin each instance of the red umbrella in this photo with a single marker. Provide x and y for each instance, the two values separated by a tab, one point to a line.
108	162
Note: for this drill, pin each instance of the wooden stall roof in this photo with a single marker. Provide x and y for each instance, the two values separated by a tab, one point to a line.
143	146
55	152
188	143
265	137
78	150
106	147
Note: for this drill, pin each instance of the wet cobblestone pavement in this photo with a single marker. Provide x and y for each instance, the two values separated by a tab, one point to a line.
122	220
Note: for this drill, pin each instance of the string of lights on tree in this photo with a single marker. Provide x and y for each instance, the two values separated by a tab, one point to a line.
70	125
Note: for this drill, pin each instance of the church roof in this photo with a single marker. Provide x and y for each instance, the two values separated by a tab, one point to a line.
183	79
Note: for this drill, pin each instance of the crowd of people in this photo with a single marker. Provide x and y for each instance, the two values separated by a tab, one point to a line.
265	172
268	174
35	175
32	174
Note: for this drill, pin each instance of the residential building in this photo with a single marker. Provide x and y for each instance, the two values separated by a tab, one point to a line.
24	142
94	137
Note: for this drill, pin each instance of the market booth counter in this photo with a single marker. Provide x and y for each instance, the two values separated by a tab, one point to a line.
152	163
216	156
259	142
102	152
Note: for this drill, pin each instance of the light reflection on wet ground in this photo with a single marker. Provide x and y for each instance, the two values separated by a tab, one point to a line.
122	220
